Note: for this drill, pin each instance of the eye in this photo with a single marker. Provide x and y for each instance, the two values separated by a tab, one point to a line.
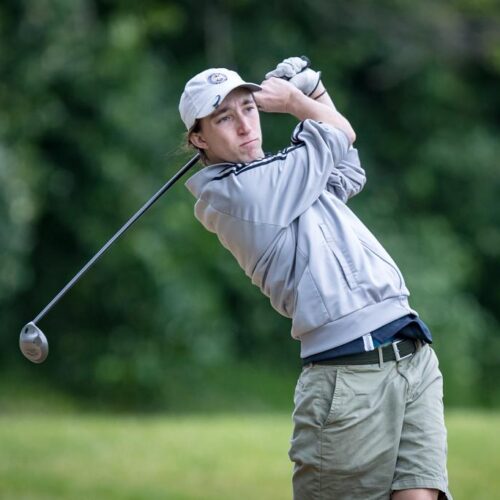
223	119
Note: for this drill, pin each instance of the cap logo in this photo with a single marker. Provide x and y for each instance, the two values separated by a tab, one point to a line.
216	78
216	102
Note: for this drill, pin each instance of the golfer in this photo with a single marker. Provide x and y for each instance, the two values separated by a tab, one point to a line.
368	417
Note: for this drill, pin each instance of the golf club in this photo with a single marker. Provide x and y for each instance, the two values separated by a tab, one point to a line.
32	341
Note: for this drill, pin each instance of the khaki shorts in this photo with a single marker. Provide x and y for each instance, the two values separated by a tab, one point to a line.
361	432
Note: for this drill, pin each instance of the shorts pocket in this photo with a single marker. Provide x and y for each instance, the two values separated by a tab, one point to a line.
338	396
315	396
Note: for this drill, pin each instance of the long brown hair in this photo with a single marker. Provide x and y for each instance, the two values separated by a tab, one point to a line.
190	146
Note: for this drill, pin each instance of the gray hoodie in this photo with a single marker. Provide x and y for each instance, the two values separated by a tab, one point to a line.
285	220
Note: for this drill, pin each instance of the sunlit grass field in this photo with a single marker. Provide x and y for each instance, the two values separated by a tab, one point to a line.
220	457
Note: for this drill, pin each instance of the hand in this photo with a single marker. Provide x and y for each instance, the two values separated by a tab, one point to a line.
281	96
297	71
276	96
288	68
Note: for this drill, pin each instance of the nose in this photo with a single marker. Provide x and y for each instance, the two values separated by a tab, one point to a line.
243	125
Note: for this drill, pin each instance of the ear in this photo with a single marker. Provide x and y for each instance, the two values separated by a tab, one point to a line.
196	138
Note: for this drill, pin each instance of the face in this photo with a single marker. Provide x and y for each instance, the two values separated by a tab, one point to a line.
232	132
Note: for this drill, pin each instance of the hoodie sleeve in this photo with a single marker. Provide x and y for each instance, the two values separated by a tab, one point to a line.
348	177
279	188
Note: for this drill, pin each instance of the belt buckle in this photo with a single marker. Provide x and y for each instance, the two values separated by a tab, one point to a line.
395	348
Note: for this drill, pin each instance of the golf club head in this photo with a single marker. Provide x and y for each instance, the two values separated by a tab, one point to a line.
33	343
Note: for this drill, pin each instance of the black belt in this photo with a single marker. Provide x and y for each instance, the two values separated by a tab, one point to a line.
397	351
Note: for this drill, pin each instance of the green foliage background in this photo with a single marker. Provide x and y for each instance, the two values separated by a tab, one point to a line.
89	130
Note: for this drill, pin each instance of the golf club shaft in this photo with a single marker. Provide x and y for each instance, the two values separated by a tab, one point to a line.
136	216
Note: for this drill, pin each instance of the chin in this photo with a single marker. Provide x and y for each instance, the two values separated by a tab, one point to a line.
255	155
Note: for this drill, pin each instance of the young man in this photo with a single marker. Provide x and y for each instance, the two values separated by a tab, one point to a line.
368	418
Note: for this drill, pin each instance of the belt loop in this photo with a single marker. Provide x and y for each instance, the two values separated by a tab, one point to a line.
380	357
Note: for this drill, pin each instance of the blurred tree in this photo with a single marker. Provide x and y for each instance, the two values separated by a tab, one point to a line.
89	129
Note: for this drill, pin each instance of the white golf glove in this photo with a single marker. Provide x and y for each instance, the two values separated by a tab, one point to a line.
297	71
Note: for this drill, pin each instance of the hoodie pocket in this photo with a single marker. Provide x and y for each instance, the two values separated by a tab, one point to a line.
383	259
343	259
310	310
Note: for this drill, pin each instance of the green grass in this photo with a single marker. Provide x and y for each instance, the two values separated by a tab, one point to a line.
73	456
474	455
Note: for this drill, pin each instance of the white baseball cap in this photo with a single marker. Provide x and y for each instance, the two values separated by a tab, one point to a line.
205	91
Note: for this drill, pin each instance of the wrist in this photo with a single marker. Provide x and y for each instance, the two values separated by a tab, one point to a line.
296	104
318	91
